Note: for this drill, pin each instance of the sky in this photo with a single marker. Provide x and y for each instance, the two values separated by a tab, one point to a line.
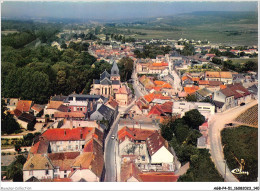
114	10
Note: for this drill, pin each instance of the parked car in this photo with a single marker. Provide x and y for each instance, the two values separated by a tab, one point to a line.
113	137
229	125
241	104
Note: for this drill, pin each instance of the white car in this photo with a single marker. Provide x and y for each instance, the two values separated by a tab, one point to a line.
113	137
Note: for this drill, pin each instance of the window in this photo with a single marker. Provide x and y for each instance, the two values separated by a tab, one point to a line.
84	109
30	172
65	175
81	109
77	108
46	172
65	171
74	108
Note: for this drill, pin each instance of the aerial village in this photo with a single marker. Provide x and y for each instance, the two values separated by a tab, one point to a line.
113	133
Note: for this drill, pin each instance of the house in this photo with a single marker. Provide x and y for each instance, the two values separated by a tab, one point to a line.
254	91
25	118
37	109
203	94
61	154
62	163
89	165
181	107
135	110
102	112
225	77
11	103
203	141
83	102
112	104
224	99
129	172
38	166
190	90
68	115
161	110
210	85
231	96
123	95
158	150
52	107
24	106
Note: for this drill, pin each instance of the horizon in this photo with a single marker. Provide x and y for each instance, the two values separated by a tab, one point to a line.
111	10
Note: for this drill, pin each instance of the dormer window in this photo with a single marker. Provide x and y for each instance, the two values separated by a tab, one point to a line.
31	165
47	165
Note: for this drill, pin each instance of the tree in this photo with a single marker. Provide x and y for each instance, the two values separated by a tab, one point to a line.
166	132
15	169
194	119
8	123
125	65
191	98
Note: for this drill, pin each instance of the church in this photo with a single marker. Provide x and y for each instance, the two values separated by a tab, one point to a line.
108	84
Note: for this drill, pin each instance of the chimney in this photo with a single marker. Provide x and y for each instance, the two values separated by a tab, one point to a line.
71	124
91	106
81	134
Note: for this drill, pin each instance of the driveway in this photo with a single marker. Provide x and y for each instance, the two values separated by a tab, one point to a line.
216	124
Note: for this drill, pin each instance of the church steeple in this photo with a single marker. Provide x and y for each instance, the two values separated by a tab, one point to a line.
115	72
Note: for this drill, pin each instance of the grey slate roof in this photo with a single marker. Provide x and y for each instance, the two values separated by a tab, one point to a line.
106	111
104	75
85	97
105	81
96	81
204	92
114	70
253	89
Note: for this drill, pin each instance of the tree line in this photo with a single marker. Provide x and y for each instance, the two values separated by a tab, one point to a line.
182	134
151	51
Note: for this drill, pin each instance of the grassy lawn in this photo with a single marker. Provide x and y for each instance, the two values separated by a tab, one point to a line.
241	142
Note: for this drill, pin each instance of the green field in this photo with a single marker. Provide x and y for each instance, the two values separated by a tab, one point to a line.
241	143
205	32
243	60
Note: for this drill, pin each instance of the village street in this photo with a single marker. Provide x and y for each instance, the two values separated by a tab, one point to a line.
109	153
216	124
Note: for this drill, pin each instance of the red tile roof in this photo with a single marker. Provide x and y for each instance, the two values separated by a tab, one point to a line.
191	90
128	170
17	112
37	107
156	110
67	134
54	104
76	114
158	177
155	142
24	105
133	133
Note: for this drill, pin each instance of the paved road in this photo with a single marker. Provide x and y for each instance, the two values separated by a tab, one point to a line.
136	86
110	162
216	124
177	81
